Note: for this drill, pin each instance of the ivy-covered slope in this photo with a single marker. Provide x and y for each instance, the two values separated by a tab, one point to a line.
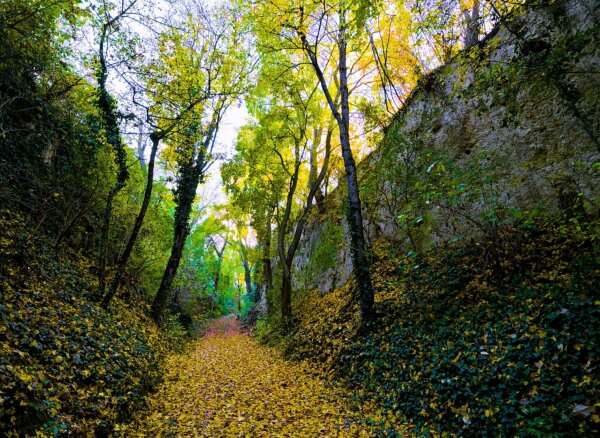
66	365
491	337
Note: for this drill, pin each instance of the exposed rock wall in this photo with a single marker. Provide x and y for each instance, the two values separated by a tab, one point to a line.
523	107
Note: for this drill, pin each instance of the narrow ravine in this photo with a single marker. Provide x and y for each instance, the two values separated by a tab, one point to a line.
229	385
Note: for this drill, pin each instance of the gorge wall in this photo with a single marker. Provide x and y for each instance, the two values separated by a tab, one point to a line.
521	107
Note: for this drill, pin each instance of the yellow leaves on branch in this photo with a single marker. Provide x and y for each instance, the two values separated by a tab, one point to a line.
229	385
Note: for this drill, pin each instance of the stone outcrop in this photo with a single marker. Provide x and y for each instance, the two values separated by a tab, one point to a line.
524	105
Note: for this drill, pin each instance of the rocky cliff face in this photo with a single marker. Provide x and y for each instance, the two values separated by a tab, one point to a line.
510	129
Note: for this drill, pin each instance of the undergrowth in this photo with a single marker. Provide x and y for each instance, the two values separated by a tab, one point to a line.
491	337
67	366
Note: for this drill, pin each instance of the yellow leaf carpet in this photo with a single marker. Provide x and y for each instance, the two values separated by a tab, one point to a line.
230	386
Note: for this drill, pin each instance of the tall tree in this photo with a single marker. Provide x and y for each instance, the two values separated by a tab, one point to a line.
319	32
221	68
108	110
255	184
156	137
192	170
317	21
287	134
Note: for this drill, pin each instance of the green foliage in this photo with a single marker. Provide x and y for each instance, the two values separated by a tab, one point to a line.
324	254
152	249
463	345
497	336
208	283
49	129
55	164
417	187
66	365
176	334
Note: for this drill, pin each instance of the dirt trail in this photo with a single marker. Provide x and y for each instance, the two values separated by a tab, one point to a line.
230	386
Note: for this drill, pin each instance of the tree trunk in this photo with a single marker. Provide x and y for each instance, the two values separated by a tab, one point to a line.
286	309
107	108
286	295
358	249
246	266
122	263
180	233
319	197
316	141
287	256
354	213
247	277
141	149
286	284
267	273
473	25
192	173
217	277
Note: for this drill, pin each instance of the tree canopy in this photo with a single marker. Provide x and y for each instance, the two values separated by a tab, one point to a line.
401	192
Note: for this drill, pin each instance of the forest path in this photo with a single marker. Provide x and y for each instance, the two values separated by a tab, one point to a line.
228	385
